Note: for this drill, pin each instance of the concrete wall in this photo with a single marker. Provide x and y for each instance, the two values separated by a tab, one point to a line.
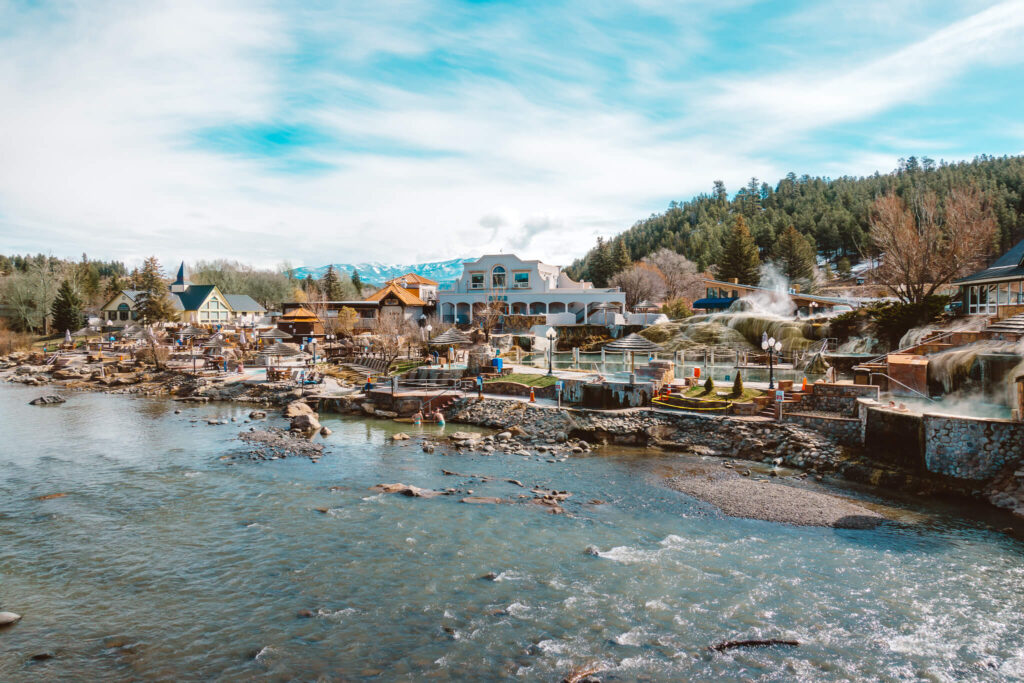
971	448
894	438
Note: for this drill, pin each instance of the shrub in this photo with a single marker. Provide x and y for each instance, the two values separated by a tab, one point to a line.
709	385
677	309
737	385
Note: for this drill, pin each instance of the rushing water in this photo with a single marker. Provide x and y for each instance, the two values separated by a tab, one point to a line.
165	562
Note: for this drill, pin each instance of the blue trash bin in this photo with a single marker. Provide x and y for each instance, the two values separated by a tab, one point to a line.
497	364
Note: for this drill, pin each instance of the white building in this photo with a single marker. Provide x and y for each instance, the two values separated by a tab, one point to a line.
525	288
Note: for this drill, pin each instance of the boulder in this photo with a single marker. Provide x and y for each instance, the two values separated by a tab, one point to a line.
389	414
50	400
296	408
401	436
368	408
305	423
67	373
465	436
503	436
8	618
481	500
324	431
405	490
257	415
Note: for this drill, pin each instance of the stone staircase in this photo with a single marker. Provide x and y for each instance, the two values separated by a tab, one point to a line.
1011	325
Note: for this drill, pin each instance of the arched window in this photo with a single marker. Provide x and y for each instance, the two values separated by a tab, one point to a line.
498	277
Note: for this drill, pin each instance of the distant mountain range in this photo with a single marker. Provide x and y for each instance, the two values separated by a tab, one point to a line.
378	273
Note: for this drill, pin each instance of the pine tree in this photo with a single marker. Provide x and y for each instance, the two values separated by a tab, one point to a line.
739	257
114	286
737	385
154	303
356	282
600	264
331	285
620	258
794	256
66	309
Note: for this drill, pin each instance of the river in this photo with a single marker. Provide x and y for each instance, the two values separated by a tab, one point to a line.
165	562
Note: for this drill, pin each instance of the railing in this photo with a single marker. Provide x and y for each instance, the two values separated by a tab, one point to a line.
925	340
911	389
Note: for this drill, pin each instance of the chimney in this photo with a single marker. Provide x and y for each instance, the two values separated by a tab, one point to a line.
796	287
734	280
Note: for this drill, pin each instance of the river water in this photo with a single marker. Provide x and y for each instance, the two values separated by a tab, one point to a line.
164	562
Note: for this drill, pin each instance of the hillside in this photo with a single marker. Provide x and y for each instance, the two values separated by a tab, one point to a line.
833	213
377	273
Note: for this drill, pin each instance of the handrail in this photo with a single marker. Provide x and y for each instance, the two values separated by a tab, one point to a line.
882	374
926	340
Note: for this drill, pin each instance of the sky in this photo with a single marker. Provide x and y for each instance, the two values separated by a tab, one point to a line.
315	132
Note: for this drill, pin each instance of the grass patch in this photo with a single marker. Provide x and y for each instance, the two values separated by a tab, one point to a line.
724	394
539	381
405	366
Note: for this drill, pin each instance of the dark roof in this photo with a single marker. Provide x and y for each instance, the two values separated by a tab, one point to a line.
713	303
1009	266
243	302
193	297
182	278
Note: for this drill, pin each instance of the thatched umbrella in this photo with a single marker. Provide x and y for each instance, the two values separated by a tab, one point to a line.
606	306
191	331
275	333
646	307
451	337
631	344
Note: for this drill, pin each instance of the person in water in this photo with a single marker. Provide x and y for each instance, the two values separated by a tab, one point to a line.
417	418
439	417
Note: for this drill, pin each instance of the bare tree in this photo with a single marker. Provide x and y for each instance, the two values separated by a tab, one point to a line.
490	317
391	336
679	274
926	245
640	282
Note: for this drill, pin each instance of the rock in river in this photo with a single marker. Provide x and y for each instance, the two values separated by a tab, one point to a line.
8	618
296	408
305	423
50	400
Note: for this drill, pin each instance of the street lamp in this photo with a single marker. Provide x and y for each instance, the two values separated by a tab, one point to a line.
773	348
551	335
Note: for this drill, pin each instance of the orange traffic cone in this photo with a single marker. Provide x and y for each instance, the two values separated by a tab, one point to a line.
803	387
533	397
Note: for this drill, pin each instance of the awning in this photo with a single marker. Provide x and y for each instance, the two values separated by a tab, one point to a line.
714	303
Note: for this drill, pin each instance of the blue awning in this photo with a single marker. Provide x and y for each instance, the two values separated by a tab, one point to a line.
710	303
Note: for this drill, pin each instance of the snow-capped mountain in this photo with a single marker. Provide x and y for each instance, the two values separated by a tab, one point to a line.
378	273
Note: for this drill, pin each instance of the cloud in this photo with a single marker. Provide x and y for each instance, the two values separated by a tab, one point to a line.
397	130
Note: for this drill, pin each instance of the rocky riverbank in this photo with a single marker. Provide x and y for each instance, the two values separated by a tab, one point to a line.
135	377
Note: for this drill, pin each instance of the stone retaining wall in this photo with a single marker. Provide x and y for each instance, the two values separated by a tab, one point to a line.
844	430
836	398
971	448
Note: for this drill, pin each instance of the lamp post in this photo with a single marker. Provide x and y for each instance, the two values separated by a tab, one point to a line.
773	347
551	335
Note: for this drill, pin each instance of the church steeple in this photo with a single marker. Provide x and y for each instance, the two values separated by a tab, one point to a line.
181	282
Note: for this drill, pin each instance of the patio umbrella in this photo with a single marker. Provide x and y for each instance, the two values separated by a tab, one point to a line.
631	344
67	336
242	341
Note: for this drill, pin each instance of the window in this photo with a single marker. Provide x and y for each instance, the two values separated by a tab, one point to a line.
476	280
498	278
521	280
123	315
